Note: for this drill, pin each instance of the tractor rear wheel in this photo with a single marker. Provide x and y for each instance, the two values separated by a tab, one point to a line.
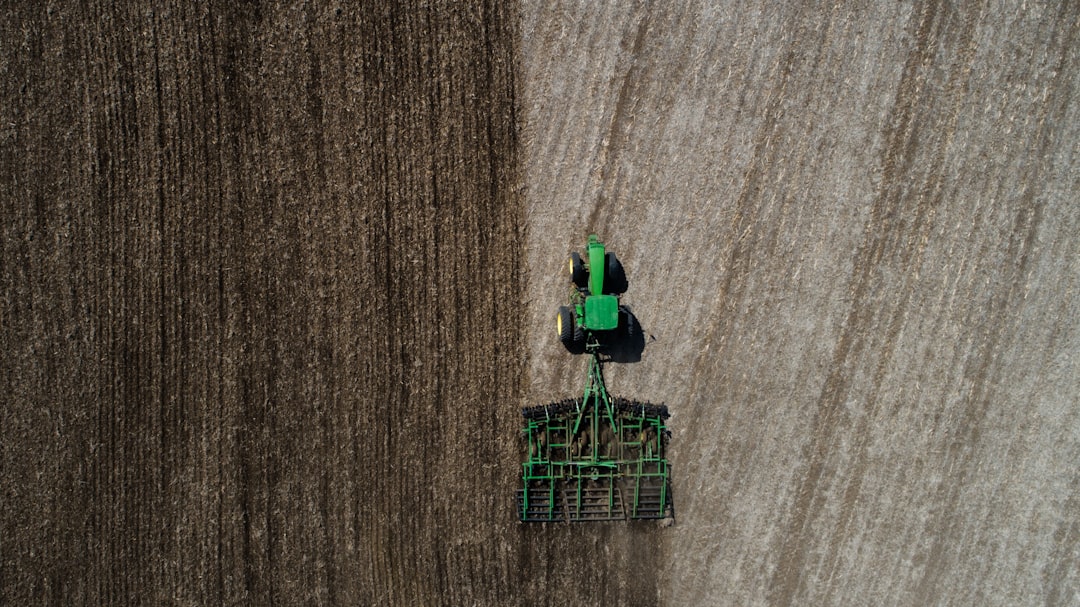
579	340
564	325
632	326
578	274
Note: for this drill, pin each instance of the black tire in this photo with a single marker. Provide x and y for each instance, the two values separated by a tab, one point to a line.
614	277
632	326
579	340
579	275
564	326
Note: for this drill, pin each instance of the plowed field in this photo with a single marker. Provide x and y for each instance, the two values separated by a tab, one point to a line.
277	278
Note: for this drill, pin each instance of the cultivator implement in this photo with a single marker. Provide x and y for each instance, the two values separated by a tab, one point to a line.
596	458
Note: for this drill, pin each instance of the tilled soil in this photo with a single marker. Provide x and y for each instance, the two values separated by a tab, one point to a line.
261	274
277	280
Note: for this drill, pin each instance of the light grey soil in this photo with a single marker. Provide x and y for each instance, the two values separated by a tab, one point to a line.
852	234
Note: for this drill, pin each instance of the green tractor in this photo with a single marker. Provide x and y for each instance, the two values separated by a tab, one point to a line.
595	317
597	457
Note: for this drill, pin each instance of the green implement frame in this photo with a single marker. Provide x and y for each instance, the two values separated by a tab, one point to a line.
597	458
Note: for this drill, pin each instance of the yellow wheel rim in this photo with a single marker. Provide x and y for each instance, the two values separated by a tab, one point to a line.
558	324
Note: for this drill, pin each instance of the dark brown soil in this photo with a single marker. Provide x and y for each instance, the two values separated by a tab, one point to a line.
262	275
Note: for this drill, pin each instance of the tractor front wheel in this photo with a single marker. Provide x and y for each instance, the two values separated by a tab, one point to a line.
578	274
614	277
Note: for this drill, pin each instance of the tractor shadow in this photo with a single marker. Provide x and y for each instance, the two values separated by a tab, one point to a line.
631	343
